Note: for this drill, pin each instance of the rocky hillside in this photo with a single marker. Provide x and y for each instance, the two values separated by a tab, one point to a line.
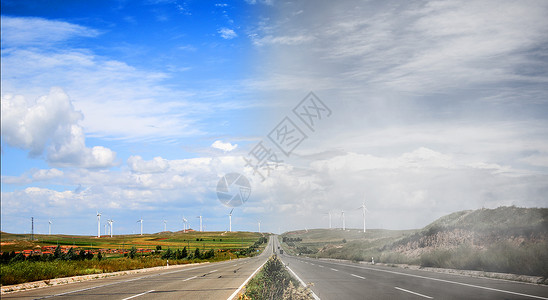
479	229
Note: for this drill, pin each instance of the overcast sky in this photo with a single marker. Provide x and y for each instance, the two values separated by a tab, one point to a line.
136	109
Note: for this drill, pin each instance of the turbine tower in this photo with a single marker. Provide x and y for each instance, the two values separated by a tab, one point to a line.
141	221
110	221
165	228
343	220
329	214
259	222
185	224
98	224
230	221
200	217
364	209
49	226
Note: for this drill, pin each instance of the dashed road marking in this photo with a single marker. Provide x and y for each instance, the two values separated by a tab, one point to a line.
411	292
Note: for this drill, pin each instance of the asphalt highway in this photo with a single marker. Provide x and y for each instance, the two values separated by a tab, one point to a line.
327	279
205	281
330	279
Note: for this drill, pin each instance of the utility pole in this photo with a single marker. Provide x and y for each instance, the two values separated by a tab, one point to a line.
32	229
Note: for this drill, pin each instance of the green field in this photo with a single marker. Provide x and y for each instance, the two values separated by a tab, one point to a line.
199	246
207	240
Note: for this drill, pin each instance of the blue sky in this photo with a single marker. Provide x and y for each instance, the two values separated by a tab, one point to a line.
137	109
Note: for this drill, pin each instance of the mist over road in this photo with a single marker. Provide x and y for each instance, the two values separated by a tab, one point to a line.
332	279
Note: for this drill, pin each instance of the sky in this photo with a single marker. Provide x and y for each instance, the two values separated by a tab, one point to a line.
138	109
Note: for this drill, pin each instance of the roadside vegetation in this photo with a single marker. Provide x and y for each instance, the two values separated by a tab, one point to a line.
507	240
273	281
16	267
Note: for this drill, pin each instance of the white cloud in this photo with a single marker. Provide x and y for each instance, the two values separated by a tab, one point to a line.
51	124
227	33
156	165
47	174
104	89
281	40
540	160
226	147
28	31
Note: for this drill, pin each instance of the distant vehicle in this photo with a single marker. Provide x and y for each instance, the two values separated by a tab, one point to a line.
281	252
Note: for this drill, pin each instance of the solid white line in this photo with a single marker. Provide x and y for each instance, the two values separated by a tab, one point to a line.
245	282
138	295
413	292
303	284
334	270
443	280
357	276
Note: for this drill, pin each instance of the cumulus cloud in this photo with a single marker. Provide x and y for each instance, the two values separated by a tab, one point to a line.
227	33
226	147
50	124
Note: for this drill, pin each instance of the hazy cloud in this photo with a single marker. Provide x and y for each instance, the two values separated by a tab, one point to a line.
28	31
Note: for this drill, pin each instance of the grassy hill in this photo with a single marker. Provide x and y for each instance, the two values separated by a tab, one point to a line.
505	239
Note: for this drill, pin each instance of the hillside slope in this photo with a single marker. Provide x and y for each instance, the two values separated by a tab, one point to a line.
505	239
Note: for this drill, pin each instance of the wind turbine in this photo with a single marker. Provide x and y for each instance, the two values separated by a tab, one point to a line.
329	213
110	221
364	210
343	220
230	221
165	228
98	224
141	221
200	217
185	221
259	222
49	226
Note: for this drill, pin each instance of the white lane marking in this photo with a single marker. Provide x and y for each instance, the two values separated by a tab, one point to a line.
134	296
411	292
443	280
245	282
320	266
302	283
334	270
357	276
190	278
126	281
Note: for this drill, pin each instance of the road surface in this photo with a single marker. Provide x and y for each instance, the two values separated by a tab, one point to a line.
205	281
330	280
347	280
